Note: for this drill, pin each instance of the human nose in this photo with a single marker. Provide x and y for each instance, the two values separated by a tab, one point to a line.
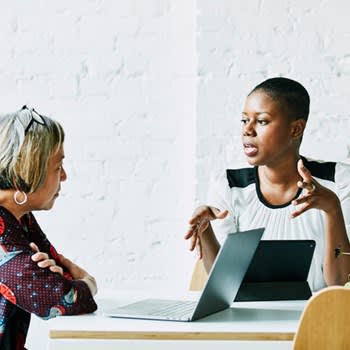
63	175
249	129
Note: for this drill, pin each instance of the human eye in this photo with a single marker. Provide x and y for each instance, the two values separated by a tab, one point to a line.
244	120
262	122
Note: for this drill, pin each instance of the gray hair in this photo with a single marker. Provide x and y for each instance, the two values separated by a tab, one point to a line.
25	147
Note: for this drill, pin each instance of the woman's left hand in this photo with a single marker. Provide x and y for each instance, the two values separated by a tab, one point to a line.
315	195
43	260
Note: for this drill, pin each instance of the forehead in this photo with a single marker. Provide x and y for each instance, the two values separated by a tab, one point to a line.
259	101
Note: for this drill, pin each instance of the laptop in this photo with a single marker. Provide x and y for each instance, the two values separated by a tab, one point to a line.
278	271
223	282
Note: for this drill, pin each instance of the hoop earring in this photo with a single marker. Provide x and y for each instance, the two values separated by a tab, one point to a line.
15	195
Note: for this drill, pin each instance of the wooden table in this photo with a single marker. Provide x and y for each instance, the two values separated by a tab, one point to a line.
268	325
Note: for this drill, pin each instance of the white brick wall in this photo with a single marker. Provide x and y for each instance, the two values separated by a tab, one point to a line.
150	94
121	77
241	44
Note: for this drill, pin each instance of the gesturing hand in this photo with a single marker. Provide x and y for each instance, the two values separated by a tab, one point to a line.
199	222
43	260
315	195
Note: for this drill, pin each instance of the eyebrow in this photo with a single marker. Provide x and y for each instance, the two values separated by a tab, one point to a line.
258	113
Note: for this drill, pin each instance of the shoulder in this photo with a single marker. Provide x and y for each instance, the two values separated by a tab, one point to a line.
234	177
332	171
241	177
8	224
324	170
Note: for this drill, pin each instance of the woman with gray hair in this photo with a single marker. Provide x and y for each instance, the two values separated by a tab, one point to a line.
34	278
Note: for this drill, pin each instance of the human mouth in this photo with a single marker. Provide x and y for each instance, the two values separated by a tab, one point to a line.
250	150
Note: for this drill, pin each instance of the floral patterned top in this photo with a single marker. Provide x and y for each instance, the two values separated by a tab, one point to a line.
25	288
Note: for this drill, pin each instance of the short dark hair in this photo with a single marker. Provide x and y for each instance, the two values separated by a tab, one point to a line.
289	93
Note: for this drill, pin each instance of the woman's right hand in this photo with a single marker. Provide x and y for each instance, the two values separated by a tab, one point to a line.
199	223
77	273
43	260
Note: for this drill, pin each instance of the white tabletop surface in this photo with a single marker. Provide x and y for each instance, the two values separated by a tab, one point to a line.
274	316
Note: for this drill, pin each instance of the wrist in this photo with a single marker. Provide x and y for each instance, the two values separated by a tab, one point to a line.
91	283
334	207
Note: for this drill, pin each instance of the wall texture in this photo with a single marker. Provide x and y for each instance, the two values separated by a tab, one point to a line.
121	78
240	44
150	95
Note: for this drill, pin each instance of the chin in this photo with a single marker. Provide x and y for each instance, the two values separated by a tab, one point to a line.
253	161
48	206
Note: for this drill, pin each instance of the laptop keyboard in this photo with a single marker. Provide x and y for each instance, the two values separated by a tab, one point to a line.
164	309
175	309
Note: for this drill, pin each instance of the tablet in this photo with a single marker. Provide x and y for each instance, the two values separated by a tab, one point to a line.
278	271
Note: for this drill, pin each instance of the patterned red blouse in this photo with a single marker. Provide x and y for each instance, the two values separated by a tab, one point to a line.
25	288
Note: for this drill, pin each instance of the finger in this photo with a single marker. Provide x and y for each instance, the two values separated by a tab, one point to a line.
200	216
194	240
309	186
303	171
46	263
303	199
308	182
199	249
210	213
34	247
221	214
39	256
56	269
302	208
204	213
190	232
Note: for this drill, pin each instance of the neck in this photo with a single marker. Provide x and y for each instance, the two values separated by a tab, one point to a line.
7	201
282	173
278	183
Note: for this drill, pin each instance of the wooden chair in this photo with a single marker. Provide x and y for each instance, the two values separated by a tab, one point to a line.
325	321
199	276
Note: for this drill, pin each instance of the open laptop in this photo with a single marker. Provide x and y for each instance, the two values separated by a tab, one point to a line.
225	277
278	271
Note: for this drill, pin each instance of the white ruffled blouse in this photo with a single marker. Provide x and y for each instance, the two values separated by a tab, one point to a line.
238	191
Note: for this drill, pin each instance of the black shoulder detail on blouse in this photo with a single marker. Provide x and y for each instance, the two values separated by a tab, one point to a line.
322	170
240	177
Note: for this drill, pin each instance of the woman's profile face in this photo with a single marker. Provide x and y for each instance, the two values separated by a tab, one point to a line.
44	198
267	131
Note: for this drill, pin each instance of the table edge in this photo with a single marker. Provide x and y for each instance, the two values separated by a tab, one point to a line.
142	335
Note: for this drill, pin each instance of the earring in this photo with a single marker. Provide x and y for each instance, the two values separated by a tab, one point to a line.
25	198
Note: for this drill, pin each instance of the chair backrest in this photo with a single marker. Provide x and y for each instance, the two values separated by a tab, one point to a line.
325	321
199	276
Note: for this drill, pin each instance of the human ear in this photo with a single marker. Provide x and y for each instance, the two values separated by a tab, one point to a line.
298	127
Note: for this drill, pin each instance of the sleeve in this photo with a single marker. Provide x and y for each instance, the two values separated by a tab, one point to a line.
220	197
40	291
342	181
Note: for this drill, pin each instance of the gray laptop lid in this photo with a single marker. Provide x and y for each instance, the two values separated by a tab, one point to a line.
228	271
224	280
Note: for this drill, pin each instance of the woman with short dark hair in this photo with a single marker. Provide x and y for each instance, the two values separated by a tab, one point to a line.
291	196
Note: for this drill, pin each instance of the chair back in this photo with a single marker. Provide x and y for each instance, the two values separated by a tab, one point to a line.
325	321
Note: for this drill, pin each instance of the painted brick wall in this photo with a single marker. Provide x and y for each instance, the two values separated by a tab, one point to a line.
242	43
150	94
121	78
